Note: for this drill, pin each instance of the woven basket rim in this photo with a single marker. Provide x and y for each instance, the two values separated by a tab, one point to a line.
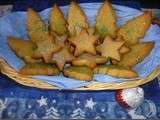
31	82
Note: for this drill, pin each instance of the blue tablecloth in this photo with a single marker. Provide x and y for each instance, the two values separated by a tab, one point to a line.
17	101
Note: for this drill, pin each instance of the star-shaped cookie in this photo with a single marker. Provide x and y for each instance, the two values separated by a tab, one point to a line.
47	47
60	39
110	48
84	43
89	60
91	30
62	57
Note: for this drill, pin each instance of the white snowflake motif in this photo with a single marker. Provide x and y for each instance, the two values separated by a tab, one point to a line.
11	93
78	114
32	116
98	118
2	106
52	113
78	102
42	101
132	113
103	109
29	106
90	104
54	101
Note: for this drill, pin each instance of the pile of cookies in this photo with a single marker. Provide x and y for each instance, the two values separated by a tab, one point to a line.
79	50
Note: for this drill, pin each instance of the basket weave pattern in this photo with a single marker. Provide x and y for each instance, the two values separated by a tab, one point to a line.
31	82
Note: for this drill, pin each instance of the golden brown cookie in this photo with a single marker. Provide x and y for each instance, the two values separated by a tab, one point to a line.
91	30
124	49
79	73
57	22
89	60
47	48
36	27
106	21
84	43
61	40
135	28
75	17
110	48
39	69
25	49
137	54
116	71
114	62
62	57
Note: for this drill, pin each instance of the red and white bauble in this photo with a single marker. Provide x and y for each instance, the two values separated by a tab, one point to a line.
130	98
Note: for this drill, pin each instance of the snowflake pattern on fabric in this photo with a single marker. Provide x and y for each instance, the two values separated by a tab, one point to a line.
12	108
17	102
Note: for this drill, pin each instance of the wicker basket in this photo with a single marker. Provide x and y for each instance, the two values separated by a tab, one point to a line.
31	82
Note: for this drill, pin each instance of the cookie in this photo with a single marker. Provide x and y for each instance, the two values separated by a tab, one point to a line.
79	73
39	34
62	57
89	60
60	39
25	49
84	43
36	27
110	48
114	62
91	30
57	22
116	71
47	48
124	49
75	17
39	69
135	28
137	54
106	21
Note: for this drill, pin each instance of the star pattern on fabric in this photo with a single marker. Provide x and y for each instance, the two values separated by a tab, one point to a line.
29	106
90	104
103	109
42	101
54	101
78	102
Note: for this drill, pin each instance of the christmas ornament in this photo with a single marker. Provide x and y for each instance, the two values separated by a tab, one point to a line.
130	98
